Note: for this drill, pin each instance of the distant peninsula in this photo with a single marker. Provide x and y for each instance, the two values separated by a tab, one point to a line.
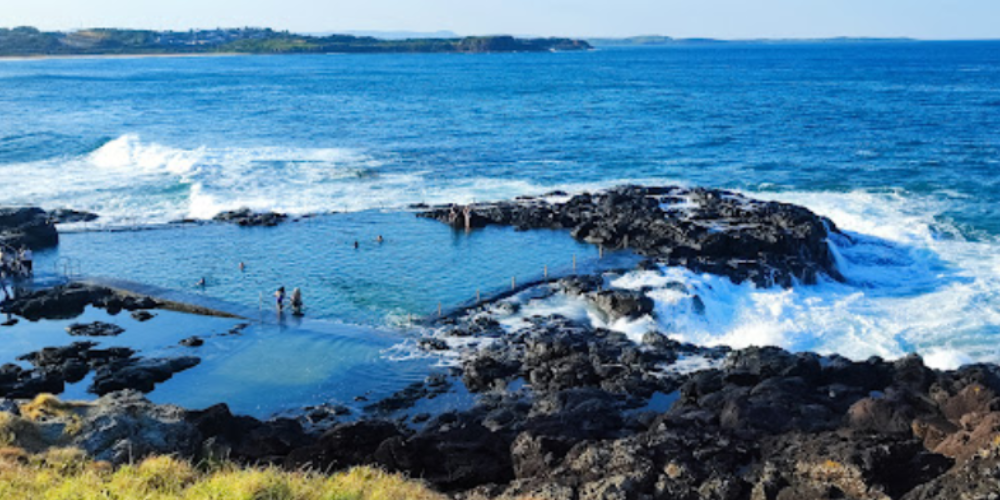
29	42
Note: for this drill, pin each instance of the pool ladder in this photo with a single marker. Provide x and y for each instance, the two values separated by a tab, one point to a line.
68	267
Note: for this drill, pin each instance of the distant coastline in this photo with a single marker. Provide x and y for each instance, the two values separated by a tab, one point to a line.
659	40
46	57
31	42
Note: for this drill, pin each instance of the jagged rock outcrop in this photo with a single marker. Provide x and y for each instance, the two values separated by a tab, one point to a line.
706	230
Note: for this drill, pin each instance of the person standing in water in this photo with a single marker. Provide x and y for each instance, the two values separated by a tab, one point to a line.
27	261
279	299
297	302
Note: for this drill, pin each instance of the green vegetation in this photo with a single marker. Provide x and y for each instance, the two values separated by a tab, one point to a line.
27	41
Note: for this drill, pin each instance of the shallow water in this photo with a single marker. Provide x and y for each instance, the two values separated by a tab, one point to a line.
267	368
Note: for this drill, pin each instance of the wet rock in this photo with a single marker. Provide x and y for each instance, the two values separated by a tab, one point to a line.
61	302
618	304
54	367
192	342
69	216
69	301
408	396
142	316
433	344
138	374
246	217
95	329
28	227
580	285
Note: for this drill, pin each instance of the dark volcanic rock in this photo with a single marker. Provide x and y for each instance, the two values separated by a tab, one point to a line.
95	329
70	301
139	374
246	217
54	367
622	303
27	227
192	342
69	216
706	230
142	316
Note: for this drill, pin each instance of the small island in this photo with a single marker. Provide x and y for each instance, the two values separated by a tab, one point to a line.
31	42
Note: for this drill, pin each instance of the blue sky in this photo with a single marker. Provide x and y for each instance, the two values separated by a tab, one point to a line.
930	19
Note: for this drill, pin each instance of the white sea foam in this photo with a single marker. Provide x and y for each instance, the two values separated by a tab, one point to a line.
133	181
914	284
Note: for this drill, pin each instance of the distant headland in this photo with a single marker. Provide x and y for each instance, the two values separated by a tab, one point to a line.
30	42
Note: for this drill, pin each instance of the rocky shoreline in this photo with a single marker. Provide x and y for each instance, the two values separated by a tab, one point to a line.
569	408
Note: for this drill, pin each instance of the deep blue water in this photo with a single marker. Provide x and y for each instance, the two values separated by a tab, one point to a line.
897	142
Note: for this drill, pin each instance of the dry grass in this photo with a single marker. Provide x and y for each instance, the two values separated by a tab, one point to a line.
33	466
66	474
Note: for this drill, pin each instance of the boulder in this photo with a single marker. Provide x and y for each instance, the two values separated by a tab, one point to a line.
616	304
28	226
247	218
95	329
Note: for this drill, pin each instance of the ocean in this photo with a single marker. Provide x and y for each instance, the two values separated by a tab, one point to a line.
898	143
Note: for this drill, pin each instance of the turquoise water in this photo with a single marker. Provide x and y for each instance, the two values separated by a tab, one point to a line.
896	142
420	264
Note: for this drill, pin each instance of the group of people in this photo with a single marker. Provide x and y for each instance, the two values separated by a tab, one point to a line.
16	263
457	215
295	302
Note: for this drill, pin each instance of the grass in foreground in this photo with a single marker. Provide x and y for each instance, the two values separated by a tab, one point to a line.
38	463
67	474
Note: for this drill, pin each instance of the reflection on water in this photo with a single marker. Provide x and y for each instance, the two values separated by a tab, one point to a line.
264	369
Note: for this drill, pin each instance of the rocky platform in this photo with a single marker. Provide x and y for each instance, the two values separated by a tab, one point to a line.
706	230
566	410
